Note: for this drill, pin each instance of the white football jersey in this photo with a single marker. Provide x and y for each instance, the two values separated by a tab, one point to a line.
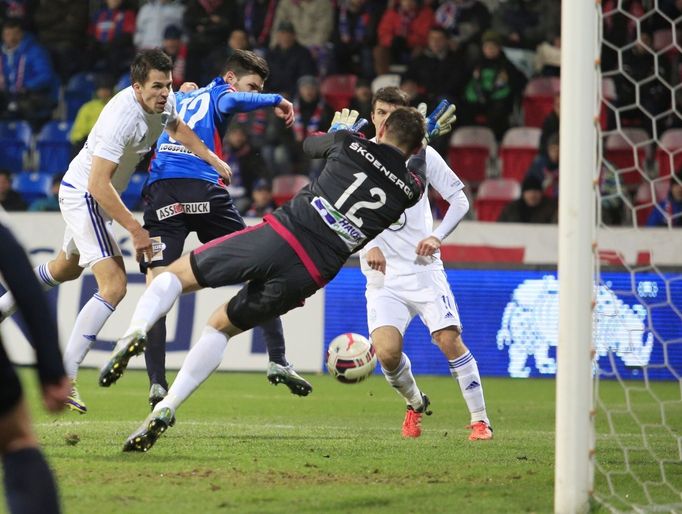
399	242
123	133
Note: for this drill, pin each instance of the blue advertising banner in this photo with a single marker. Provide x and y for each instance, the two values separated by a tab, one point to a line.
510	320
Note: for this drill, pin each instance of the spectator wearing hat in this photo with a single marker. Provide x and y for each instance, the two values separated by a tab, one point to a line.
152	20
313	21
288	61
111	32
10	200
669	211
402	34
532	207
493	88
28	85
89	112
176	49
261	200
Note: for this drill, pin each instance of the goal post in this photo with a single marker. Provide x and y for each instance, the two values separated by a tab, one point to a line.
578	164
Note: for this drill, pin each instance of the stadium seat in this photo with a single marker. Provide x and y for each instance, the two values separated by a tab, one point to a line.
15	140
132	196
469	153
644	202
338	90
625	150
33	185
123	82
538	99
385	80
493	195
285	187
80	89
53	147
669	150
517	151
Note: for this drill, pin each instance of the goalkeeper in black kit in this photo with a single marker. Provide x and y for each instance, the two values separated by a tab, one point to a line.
364	187
28	482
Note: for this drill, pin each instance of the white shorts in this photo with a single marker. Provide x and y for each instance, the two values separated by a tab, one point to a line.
88	228
395	302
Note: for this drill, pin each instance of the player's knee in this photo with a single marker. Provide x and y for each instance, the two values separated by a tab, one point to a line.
388	356
113	291
449	341
66	273
16	442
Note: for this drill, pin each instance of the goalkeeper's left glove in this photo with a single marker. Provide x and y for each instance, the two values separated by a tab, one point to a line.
440	121
347	120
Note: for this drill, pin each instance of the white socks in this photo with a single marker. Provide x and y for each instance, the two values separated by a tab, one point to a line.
155	303
465	370
7	305
89	322
402	380
202	360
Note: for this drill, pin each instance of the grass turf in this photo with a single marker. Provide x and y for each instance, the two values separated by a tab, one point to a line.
241	445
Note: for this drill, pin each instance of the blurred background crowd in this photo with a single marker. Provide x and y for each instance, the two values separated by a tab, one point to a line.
497	60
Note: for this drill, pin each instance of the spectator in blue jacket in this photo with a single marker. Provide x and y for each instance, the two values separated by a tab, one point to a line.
671	207
28	85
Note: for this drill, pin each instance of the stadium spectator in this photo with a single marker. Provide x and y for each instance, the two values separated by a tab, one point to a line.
28	85
402	33
550	125
176	49
548	57
10	199
62	26
354	37
51	202
111	37
21	10
89	112
288	61
362	102
207	22
215	62
153	18
670	209
493	88
525	24
261	200
257	18
545	168
465	21
313	21
247	165
29	485
432	70
532	207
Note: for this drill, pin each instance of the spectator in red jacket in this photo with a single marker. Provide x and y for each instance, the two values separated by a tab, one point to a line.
403	32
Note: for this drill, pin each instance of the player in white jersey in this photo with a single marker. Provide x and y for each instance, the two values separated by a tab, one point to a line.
405	277
89	198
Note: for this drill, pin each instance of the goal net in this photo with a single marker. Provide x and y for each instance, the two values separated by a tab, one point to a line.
637	298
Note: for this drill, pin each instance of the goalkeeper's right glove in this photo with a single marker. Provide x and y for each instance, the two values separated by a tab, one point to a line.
347	120
440	121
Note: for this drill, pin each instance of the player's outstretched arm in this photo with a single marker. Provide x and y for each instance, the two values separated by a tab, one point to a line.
102	190
181	132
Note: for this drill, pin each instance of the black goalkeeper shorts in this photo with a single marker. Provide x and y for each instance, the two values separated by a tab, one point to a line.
10	387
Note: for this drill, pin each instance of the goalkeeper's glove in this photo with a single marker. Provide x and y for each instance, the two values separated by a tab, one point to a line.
440	121
347	120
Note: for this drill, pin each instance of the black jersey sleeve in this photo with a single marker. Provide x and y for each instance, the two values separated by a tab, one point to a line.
32	304
318	147
416	173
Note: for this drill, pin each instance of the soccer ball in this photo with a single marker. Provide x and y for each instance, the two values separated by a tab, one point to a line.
351	358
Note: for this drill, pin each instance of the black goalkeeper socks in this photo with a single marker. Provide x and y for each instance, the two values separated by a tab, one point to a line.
29	485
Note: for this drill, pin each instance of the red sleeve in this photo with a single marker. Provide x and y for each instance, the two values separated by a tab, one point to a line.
421	25
129	22
386	29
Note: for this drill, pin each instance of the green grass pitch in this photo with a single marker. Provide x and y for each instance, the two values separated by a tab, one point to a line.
242	445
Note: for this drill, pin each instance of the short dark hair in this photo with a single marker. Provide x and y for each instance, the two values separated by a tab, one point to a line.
406	127
13	23
390	95
147	60
245	62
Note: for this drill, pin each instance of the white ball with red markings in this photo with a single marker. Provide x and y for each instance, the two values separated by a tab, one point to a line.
351	358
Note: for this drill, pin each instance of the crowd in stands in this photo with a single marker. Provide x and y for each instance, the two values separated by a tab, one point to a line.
497	60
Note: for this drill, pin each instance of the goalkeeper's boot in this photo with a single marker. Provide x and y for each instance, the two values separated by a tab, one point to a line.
156	393
126	348
74	402
412	426
150	430
480	431
278	374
